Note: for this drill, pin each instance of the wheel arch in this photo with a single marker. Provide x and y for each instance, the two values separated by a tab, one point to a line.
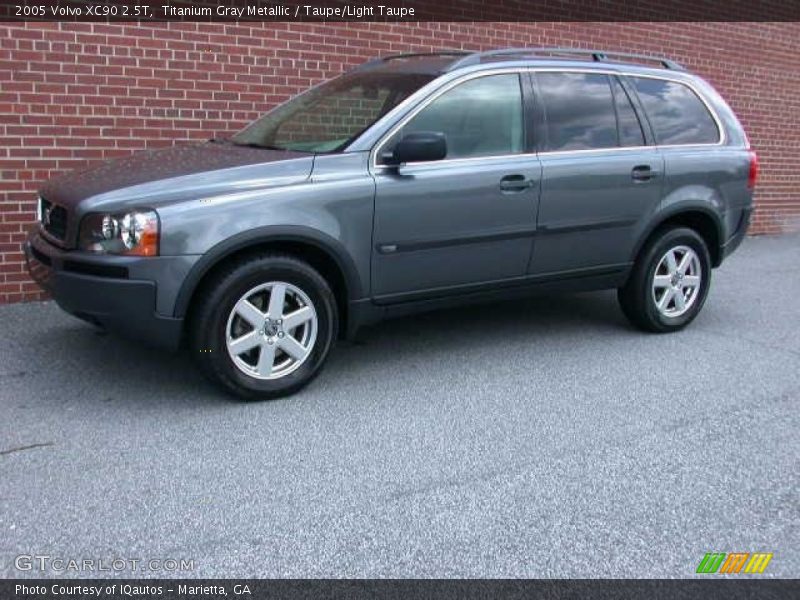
701	219
323	252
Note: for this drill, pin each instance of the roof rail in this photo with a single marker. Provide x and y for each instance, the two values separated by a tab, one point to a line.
597	55
383	59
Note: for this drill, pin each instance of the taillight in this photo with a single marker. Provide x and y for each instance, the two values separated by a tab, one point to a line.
753	174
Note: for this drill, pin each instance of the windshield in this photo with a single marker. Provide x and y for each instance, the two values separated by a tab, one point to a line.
329	117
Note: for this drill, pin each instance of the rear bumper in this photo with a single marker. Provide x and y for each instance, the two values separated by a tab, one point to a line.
101	294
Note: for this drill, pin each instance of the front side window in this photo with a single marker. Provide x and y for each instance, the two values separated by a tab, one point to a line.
677	115
480	117
329	117
579	111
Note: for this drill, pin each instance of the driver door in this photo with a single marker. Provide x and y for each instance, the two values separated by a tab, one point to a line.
449	225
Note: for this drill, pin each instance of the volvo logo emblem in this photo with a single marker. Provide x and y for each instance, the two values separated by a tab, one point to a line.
46	216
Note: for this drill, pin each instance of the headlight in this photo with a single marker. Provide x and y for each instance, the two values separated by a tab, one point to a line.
132	233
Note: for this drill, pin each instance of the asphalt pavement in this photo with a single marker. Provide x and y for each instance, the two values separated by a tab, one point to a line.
541	438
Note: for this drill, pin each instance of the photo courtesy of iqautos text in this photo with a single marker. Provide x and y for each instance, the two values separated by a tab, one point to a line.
438	300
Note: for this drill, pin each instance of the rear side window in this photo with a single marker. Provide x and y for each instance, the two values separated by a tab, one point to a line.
677	115
579	111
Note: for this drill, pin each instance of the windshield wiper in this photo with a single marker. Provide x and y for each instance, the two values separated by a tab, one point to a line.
219	140
257	145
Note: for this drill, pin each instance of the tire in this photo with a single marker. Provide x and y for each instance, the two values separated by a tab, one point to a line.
298	351
646	301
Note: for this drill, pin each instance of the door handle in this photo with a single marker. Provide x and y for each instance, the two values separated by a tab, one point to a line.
515	183
643	173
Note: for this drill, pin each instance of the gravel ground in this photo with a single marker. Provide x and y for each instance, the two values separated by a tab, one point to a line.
544	438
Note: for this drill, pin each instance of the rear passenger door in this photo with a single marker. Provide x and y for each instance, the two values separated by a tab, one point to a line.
601	174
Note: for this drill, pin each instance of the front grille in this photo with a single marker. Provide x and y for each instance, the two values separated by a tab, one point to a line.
54	219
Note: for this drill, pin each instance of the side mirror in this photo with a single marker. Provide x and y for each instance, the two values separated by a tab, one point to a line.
418	146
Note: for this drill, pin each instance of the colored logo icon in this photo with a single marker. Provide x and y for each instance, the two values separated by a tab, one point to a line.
721	563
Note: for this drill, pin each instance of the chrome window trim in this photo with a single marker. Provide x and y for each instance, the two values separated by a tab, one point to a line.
374	153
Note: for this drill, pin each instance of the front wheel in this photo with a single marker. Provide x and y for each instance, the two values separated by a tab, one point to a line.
264	326
669	282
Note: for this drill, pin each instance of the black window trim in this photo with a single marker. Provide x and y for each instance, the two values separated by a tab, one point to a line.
615	108
644	120
612	79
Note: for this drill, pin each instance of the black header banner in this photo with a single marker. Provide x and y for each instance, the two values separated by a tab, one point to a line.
401	10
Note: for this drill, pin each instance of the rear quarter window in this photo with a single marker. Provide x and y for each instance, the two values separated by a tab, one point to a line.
677	114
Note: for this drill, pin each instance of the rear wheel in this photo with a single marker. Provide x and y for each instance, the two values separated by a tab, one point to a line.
265	326
669	282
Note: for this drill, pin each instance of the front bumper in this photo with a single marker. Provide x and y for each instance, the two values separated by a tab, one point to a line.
100	292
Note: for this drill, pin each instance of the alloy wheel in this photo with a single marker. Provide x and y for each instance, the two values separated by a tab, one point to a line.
676	282
271	330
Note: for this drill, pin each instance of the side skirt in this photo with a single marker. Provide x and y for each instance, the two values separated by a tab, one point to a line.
369	311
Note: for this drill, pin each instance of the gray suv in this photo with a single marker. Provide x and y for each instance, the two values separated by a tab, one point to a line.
414	182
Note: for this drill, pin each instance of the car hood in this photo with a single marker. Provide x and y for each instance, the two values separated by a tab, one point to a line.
156	177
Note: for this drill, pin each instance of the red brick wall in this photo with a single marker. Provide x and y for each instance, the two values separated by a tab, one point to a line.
75	92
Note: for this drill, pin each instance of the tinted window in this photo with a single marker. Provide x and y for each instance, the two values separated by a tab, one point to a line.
630	130
579	111
677	115
480	117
